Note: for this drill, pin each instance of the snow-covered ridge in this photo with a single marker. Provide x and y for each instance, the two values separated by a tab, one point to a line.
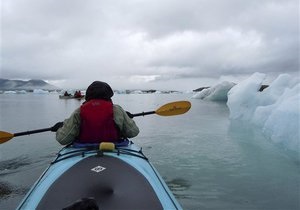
30	85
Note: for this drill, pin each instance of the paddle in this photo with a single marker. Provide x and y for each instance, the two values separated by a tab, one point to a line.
170	109
5	136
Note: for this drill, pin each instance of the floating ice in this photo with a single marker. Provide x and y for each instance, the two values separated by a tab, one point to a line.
215	93
40	91
21	92
276	110
10	92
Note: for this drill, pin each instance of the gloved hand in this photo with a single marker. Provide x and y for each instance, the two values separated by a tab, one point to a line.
57	126
129	114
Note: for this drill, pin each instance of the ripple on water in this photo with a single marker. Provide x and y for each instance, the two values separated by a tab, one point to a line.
179	187
12	165
7	189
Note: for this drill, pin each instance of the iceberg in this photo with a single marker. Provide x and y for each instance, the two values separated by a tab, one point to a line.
40	91
275	110
215	93
21	92
10	92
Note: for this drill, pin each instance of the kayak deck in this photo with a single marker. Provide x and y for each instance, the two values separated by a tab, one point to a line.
123	179
110	181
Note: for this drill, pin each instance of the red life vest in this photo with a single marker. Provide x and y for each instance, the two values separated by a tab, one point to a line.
97	122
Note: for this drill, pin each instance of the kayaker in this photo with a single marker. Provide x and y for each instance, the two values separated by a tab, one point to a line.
66	93
77	94
96	120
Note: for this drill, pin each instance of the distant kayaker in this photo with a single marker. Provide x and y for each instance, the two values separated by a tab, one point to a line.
77	94
96	120
66	93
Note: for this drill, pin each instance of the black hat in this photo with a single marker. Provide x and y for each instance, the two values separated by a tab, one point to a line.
99	90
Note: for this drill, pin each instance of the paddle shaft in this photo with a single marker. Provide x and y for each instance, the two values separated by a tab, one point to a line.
32	132
143	114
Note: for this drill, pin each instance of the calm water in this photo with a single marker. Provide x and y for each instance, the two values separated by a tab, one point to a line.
207	161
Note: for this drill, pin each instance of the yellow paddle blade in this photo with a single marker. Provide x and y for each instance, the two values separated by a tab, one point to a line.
5	136
174	108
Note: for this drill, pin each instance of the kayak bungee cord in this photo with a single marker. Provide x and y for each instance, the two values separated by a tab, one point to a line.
85	151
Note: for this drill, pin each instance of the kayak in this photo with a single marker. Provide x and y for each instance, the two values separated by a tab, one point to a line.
107	176
70	97
113	176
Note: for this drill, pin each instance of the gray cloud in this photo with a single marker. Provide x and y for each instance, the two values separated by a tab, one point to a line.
139	43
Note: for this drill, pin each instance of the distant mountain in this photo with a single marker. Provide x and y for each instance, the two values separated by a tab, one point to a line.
6	84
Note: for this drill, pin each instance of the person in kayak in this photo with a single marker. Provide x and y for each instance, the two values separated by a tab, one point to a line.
77	94
66	93
96	120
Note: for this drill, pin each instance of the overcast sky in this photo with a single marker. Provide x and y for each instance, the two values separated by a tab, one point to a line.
159	44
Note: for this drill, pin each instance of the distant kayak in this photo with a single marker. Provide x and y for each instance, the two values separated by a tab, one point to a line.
113	178
71	97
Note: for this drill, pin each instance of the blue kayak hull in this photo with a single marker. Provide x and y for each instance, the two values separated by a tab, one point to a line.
118	179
